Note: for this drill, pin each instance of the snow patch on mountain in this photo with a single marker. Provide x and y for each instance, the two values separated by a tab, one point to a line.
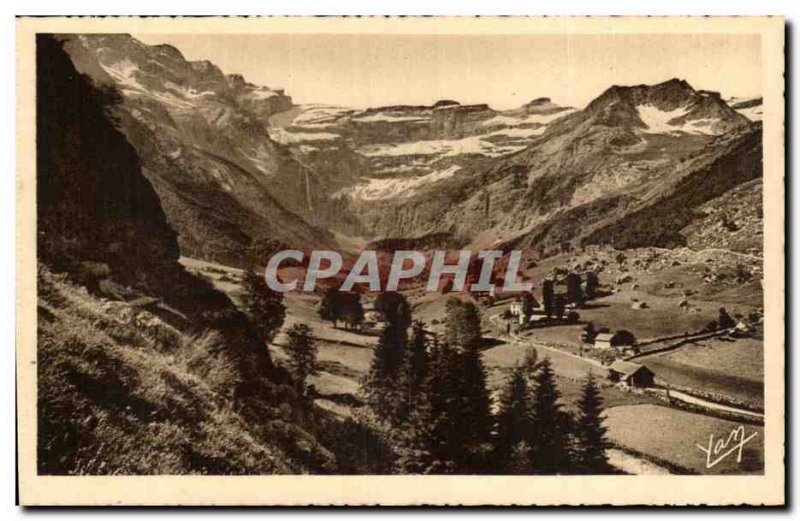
124	71
662	121
518	132
320	115
472	145
376	189
657	120
388	118
291	138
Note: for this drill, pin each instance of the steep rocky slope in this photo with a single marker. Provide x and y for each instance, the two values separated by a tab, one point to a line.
202	136
142	367
732	221
628	149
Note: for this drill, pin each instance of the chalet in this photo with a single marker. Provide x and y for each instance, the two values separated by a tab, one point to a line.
630	374
742	330
373	316
516	310
603	340
621	340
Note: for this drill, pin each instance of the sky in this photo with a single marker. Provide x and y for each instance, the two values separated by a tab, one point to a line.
504	71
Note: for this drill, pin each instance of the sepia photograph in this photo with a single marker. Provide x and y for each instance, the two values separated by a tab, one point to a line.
418	249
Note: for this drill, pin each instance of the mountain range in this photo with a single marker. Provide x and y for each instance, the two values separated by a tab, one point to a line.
233	162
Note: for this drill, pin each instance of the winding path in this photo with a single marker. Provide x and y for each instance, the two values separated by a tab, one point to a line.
688	398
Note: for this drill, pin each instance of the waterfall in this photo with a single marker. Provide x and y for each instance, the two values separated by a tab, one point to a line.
309	200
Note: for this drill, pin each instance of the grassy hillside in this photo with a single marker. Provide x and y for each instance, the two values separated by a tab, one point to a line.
122	392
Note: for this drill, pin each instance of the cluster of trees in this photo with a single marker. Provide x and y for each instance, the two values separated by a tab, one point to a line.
430	398
577	293
726	321
535	435
341	306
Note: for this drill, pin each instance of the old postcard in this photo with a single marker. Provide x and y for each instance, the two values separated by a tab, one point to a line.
401	261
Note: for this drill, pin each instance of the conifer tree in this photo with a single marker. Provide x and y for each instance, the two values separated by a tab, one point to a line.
463	323
302	351
574	291
394	308
548	442
474	418
725	320
350	311
329	305
513	425
592	285
528	303
431	441
264	306
453	321
559	306
385	387
548	297
472	421
417	443
590	434
417	357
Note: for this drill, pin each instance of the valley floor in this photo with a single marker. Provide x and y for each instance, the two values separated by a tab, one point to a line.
708	378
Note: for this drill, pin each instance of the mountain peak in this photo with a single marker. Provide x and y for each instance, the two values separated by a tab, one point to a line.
538	101
445	103
675	82
667	107
168	50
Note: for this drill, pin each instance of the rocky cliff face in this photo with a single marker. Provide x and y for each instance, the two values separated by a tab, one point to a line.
630	147
453	121
93	203
396	151
205	147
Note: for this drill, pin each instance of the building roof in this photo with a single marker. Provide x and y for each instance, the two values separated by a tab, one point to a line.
626	368
604	337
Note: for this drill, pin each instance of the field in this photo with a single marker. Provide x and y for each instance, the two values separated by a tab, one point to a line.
673	435
343	356
732	368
